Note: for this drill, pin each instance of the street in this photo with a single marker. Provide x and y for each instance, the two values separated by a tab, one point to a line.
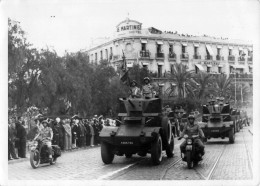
222	161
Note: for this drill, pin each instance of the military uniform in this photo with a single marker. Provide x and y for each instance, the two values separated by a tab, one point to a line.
135	92
148	90
193	130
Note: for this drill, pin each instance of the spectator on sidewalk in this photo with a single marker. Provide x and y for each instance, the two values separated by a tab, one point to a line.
92	132
88	132
11	140
83	133
56	134
67	136
21	135
61	133
74	129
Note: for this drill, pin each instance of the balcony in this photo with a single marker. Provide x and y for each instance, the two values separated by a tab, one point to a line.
241	60
242	77
196	56
219	57
144	54
172	57
250	60
160	55
184	56
231	59
209	57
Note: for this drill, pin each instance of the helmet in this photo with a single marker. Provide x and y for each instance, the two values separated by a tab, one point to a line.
191	117
147	78
133	82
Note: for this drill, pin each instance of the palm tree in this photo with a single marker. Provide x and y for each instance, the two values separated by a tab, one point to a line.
182	77
201	85
223	86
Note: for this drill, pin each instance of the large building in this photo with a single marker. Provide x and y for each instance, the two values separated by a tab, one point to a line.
158	51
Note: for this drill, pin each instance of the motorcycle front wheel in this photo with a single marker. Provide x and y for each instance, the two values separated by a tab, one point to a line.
189	160
35	158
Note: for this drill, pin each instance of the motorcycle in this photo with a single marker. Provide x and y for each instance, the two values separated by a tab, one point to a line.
191	156
39	153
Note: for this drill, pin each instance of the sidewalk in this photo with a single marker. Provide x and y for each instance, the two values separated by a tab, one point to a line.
63	151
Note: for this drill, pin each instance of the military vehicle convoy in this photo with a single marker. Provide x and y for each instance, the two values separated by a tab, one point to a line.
217	122
142	128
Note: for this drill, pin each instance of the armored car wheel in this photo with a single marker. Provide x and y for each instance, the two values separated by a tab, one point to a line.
167	131
156	151
170	148
34	159
107	154
232	136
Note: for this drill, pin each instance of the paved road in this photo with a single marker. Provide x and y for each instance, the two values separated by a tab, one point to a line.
222	161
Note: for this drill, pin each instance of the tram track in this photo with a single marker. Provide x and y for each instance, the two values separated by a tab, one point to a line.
212	170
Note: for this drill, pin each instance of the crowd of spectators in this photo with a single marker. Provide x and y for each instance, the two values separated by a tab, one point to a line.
68	132
190	35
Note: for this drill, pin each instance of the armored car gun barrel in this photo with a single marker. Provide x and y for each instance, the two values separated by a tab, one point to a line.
143	128
217	122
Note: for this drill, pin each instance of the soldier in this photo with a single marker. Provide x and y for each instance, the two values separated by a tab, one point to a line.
134	91
56	135
147	88
46	134
190	129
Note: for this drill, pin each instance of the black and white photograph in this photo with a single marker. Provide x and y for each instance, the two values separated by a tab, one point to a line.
133	92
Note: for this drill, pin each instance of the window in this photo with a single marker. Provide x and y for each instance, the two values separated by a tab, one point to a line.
101	55
250	69
231	69
196	51
229	52
159	48
240	52
219	69
218	51
106	54
143	46
249	53
183	49
95	56
171	68
159	70
111	51
208	69
170	49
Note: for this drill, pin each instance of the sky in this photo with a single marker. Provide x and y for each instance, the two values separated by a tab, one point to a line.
77	22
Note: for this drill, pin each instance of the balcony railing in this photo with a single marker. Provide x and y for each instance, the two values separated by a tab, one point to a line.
208	57
184	56
144	54
159	55
196	56
172	56
241	59
242	76
219	57
231	58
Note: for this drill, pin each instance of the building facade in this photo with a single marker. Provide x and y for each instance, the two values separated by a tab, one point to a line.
159	51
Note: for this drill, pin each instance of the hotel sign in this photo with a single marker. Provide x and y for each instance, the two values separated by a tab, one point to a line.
213	63
130	26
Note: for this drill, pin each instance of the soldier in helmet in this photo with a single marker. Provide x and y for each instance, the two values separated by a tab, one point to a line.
147	88
134	91
190	129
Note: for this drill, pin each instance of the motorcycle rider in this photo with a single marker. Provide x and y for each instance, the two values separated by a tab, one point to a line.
46	135
134	91
190	129
147	89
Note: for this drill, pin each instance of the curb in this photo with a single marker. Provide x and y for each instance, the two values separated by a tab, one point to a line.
63	151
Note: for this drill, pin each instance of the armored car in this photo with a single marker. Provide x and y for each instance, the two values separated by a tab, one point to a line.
142	128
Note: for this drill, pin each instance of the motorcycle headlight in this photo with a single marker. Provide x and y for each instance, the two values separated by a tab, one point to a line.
189	141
